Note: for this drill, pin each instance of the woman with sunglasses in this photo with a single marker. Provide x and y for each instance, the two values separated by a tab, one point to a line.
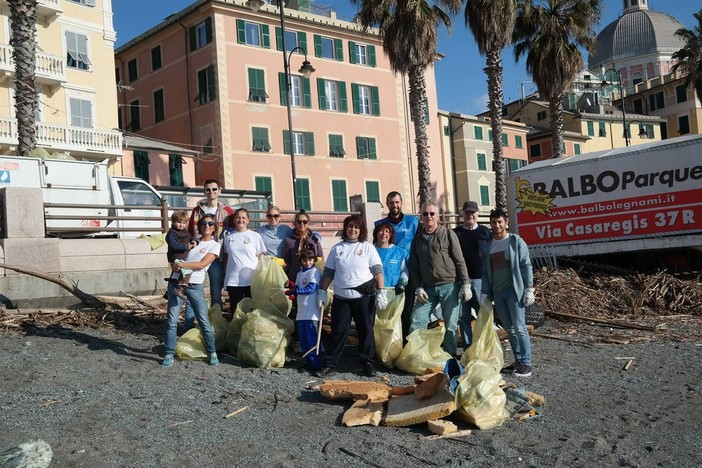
273	232
241	249
302	237
199	260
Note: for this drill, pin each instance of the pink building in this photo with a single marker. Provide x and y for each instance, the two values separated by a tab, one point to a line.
211	78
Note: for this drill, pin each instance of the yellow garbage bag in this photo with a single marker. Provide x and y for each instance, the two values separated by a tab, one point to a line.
387	330
486	345
191	346
245	306
267	286
423	350
264	337
479	398
219	325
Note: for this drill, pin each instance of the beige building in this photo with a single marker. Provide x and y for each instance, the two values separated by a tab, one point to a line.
74	78
210	78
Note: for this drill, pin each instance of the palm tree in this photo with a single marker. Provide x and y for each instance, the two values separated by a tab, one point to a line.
409	32
23	14
689	58
492	23
550	33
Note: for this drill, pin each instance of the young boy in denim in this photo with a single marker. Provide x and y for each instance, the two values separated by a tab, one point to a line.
179	243
308	316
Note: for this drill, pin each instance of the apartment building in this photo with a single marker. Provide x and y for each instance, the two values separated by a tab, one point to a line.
211	78
77	101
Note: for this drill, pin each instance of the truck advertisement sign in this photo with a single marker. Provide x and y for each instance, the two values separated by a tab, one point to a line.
645	194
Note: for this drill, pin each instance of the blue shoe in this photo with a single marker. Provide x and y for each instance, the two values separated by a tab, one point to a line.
523	370
214	361
167	360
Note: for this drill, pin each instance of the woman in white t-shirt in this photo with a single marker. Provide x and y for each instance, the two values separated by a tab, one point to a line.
241	249
199	260
355	267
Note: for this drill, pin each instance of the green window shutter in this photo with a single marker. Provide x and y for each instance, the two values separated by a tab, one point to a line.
306	93
371	55
240	31
355	98
603	129
478	132
577	148
317	45
193	37
482	162
485	195
263	184
590	128
339	50
283	89
343	102
372	191
302	190
371	149
518	141
352	52
651	131
336	146
302	40
175	166
286	141
278	38
339	195
489	135
266	36
309	143
375	97
447	132
505	141
208	30
360	148
322	94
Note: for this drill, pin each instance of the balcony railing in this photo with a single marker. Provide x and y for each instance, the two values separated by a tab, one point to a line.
50	69
46	9
70	139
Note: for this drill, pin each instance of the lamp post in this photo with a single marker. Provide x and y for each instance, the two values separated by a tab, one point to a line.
621	94
643	132
306	70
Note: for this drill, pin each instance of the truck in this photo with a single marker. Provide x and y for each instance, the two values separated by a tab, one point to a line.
637	198
65	181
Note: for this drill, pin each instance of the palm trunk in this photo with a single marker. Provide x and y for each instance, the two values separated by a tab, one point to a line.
493	70
24	20
555	105
417	101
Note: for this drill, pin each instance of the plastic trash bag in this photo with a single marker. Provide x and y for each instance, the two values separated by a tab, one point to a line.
387	330
219	325
486	345
191	346
479	398
264	337
423	350
245	306
267	286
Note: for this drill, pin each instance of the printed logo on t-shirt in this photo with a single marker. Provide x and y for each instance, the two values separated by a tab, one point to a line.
247	241
305	281
359	252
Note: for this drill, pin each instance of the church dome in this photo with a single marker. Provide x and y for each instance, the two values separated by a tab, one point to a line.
636	33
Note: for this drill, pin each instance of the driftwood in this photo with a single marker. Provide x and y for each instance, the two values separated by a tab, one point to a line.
606	322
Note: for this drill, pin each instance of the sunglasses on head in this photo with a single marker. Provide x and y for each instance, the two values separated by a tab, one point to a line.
302	221
272	216
427	214
211	189
207	223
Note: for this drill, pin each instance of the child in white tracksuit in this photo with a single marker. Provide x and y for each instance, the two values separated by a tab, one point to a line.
308	316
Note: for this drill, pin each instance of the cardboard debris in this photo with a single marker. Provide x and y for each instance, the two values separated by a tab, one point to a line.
403	390
354	390
430	386
406	410
363	412
441	427
423	378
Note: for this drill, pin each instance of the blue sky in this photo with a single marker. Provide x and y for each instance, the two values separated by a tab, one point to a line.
461	82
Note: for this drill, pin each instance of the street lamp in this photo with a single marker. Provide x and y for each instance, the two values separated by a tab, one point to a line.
621	94
643	132
306	70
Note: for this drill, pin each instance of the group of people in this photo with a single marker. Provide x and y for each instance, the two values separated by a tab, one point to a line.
434	266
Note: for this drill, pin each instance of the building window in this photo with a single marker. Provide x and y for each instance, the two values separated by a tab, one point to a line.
489	135
656	101
134	116
77	52
478	132
505	141
535	151
603	130
156	58
577	148
373	191
253	34
365	148
302	190
362	54
514	164
518	141
303	142
206	85
141	165
257	85
683	125
650	131
336	146
201	34
175	167
159	106
541	115
326	47
90	3
681	93
485	195
638	106
447	131
81	113
293	39
264	184
339	198
366	99
260	139
132	70
299	91
591	128
332	95
482	162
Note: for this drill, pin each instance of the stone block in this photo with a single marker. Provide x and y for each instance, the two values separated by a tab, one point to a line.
37	254
22	213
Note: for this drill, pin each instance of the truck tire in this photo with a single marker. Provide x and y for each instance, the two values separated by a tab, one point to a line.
535	315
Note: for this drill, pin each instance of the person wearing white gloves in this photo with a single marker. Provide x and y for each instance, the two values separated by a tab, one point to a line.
355	267
508	280
436	265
